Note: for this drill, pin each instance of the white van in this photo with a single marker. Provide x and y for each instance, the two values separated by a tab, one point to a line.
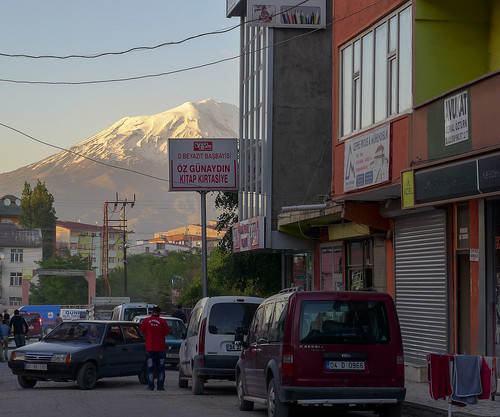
127	311
209	350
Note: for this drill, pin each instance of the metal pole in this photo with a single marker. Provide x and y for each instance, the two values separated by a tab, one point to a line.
125	289
204	241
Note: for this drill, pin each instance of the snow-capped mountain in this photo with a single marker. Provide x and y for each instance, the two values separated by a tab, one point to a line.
130	157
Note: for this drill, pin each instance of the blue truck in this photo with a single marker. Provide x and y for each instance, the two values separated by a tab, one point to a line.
48	313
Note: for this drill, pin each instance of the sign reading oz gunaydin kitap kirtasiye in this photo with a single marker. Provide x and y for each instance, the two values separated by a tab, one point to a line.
203	164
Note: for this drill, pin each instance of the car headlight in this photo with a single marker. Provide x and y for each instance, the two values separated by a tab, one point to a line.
61	358
17	356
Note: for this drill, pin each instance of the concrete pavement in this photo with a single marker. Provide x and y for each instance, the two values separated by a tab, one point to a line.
419	403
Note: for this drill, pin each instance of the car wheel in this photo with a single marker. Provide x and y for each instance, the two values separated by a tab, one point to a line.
183	383
275	408
393	410
243	404
197	383
143	375
26	382
87	376
47	330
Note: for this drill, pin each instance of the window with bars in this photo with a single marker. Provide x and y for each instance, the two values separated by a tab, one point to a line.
376	68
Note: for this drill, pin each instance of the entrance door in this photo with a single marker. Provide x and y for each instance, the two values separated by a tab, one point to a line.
463	303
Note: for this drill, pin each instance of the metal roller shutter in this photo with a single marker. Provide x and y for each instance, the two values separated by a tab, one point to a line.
420	283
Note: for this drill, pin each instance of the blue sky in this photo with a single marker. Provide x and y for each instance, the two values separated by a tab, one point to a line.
64	115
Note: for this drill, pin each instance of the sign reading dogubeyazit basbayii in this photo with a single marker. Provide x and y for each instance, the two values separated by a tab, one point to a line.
203	164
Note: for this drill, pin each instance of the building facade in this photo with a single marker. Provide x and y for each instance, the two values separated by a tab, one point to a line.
414	198
76	238
20	249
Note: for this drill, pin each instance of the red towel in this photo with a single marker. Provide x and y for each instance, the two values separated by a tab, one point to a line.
485	380
438	367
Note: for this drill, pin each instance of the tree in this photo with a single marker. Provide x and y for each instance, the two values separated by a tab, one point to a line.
60	289
38	212
247	273
154	278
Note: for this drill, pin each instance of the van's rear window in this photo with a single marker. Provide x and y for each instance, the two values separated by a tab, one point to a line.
226	318
130	313
344	322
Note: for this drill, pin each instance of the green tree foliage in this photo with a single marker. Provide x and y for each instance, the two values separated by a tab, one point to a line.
38	212
153	278
245	273
60	289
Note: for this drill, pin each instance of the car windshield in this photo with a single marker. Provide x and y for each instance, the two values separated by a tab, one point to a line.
344	322
71	332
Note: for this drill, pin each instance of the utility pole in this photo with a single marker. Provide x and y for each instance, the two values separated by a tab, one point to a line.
122	225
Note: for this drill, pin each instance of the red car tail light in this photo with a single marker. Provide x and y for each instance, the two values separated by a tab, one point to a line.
286	364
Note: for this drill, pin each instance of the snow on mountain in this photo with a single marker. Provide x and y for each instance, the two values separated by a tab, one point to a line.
80	185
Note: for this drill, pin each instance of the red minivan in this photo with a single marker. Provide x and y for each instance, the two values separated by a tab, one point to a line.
316	348
34	321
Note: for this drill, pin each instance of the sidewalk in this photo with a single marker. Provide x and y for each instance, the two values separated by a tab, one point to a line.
419	403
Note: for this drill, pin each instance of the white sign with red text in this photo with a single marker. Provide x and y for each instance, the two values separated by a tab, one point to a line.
248	234
203	164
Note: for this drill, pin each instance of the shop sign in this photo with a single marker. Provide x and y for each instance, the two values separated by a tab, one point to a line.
456	119
203	164
408	189
489	173
286	14
366	159
248	234
446	183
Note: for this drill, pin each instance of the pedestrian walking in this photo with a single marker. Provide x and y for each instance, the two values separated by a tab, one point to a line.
179	313
155	330
20	328
58	320
5	332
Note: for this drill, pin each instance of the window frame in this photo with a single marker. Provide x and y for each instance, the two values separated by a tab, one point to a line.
385	62
17	277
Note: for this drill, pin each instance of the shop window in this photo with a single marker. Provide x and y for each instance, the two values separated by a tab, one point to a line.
331	258
359	264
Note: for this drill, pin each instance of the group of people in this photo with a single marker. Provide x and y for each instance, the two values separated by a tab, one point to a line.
11	325
155	331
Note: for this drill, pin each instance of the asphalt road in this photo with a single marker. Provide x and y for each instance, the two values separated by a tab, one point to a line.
125	396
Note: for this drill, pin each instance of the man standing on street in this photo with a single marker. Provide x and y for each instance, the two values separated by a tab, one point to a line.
155	330
179	313
20	327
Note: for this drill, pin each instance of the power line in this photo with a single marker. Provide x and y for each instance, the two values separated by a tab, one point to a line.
143	48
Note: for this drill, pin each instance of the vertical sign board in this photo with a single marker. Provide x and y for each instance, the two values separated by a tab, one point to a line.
248	234
203	164
366	159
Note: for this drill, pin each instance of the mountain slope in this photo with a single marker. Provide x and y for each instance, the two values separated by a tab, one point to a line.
96	169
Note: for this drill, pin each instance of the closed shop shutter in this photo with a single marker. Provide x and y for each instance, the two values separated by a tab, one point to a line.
420	284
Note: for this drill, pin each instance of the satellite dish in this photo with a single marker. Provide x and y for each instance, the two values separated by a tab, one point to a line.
18	202
6	202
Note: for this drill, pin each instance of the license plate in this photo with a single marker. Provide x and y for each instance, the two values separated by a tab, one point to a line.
345	366
172	355
230	347
36	366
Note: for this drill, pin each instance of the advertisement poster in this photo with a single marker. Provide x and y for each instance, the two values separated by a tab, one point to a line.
248	234
286	14
456	119
203	164
366	159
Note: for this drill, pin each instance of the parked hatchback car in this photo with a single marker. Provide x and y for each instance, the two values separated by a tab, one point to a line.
316	348
209	350
172	341
82	351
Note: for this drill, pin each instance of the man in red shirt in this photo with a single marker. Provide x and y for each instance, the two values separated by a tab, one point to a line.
155	330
